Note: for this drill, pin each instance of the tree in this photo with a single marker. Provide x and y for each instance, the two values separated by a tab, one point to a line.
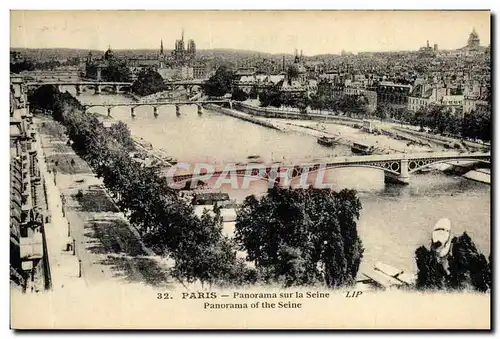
204	253
302	236
239	95
302	103
382	111
116	71
220	83
148	82
24	65
271	97
477	125
121	133
42	97
468	268
253	93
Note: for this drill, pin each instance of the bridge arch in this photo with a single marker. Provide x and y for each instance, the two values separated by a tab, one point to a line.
419	164
241	176
393	167
107	88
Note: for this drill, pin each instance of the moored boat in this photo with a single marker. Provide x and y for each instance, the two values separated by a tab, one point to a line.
255	159
362	149
326	141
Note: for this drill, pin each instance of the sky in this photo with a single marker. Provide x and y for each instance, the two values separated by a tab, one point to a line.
314	32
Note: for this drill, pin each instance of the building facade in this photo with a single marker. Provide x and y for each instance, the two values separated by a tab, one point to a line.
393	94
28	209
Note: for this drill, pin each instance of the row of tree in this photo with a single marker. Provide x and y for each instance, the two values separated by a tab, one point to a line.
27	65
473	125
167	224
349	104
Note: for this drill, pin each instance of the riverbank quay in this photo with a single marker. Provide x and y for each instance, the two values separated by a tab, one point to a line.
289	114
392	129
242	116
438	139
64	264
109	248
481	175
345	134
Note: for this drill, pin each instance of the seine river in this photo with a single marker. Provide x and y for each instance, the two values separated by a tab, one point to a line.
395	219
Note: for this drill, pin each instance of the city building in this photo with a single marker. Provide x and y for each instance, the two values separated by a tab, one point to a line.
476	99
177	65
200	72
423	95
473	41
393	94
428	51
181	54
27	205
453	103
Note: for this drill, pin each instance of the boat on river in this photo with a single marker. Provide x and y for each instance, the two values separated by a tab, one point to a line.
327	141
358	148
383	276
254	159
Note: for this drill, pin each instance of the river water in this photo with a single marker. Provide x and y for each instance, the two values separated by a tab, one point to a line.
395	219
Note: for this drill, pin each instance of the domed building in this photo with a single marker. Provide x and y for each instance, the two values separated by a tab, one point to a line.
473	41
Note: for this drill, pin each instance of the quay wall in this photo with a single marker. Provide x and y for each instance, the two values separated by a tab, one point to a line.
283	114
439	139
239	115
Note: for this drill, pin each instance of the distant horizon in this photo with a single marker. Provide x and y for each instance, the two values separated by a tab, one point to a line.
269	32
224	49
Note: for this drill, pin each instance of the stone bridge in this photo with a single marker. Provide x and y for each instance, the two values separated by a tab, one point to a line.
97	86
188	85
156	105
397	167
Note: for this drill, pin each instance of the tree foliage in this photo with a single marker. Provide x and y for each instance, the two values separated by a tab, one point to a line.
42	97
148	82
239	95
116	71
121	133
18	67
253	93
302	236
349	104
271	97
474	125
220	83
467	267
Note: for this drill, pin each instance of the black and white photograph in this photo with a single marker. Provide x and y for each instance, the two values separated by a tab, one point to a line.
250	169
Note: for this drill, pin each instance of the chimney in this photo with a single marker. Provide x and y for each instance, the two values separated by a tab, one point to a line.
283	63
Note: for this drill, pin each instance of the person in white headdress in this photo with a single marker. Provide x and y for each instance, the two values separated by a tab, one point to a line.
441	242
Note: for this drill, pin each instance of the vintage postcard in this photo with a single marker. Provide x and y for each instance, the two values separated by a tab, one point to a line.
250	169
